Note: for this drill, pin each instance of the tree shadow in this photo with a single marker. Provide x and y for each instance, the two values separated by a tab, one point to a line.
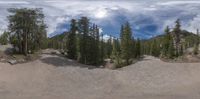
61	61
145	59
9	51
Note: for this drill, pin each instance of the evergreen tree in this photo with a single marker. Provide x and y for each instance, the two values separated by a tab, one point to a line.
4	38
94	45
126	42
196	45
83	42
166	42
168	49
88	46
27	28
176	37
171	49
116	52
71	41
155	48
138	49
198	38
97	45
109	47
196	49
101	51
121	31
133	48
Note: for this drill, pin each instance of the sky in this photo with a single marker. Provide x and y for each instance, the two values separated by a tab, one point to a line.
148	18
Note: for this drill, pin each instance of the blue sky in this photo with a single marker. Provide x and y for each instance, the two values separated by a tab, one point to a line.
148	18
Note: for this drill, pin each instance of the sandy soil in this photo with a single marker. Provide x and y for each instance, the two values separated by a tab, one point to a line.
54	77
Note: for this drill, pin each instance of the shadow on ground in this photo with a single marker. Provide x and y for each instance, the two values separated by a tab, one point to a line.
61	61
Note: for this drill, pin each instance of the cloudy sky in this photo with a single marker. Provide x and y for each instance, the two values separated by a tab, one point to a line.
147	17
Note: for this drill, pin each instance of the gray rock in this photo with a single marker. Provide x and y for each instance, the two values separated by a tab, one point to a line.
2	59
21	60
12	62
101	66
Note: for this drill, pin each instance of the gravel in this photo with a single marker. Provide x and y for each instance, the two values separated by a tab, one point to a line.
55	77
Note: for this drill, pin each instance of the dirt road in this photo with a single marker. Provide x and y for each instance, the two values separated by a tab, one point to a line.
54	77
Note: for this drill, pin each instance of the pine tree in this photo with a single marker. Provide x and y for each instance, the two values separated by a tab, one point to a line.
138	48
198	38
196	45
195	49
27	28
101	51
71	41
171	49
155	48
116	52
166	42
176	37
121	31
4	38
84	33
97	45
89	47
108	47
126	42
133	48
94	45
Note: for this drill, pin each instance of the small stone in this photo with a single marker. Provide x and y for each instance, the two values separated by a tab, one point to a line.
101	66
2	59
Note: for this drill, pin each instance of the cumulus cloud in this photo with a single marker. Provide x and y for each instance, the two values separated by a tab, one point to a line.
147	17
171	3
14	2
106	37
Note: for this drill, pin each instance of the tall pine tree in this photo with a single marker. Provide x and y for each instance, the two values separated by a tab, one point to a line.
177	38
126	43
116	51
83	28
138	49
71	41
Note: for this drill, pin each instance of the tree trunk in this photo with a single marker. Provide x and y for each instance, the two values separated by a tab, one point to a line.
25	45
127	61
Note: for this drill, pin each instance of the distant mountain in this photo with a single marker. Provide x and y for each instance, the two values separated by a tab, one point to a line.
60	36
184	34
188	36
55	34
57	41
189	40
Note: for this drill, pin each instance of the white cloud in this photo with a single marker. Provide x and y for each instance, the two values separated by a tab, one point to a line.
100	30
170	3
137	27
101	13
14	2
104	12
193	25
150	8
106	37
56	11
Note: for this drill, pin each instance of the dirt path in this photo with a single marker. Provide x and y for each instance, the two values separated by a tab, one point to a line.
54	77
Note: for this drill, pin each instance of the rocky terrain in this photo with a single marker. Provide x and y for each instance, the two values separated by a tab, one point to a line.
55	77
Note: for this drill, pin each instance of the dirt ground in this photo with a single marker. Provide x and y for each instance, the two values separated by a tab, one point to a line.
55	77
